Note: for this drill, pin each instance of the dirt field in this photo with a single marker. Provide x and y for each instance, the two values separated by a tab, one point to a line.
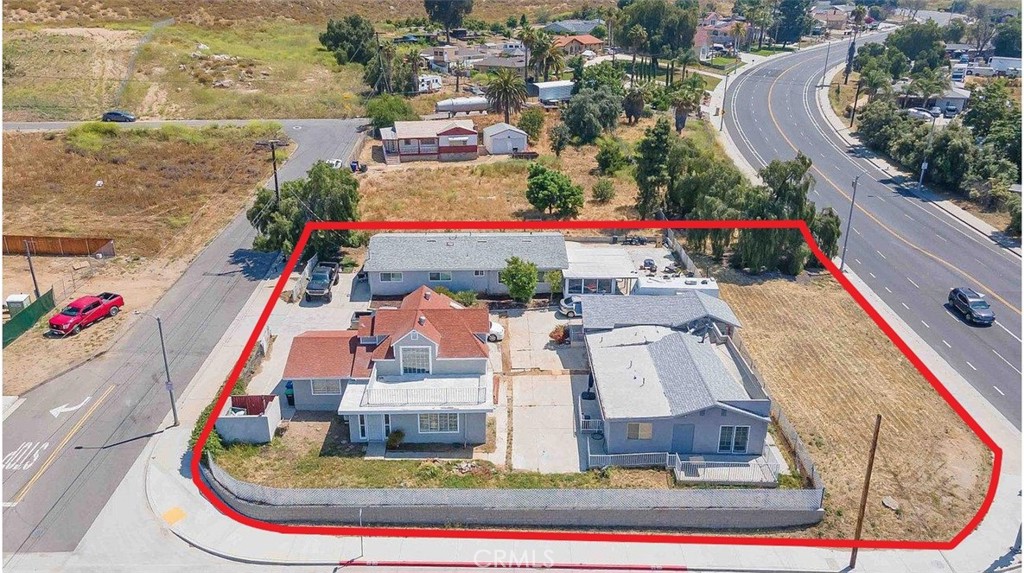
831	370
162	200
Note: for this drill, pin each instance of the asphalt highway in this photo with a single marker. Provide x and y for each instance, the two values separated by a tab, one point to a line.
908	250
59	469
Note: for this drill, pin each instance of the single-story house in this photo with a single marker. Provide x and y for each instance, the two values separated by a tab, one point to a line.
954	96
668	379
572	27
504	139
832	18
421	368
576	45
702	43
444	140
398	263
495	63
615	270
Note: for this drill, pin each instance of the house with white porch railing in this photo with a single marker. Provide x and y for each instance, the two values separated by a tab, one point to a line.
670	389
420	368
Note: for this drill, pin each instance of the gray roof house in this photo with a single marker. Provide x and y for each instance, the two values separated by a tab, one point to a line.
573	26
398	263
670	387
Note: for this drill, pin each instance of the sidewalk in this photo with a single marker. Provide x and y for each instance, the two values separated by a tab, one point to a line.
897	173
178	506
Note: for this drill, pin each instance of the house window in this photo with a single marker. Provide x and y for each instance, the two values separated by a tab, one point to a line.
387	424
479	273
458	140
362	427
639	431
391	277
416	360
575	286
439	276
324	387
439	423
733	439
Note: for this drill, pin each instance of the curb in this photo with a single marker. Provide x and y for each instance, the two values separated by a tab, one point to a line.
883	165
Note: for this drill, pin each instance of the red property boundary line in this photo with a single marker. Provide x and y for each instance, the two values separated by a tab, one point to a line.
799	225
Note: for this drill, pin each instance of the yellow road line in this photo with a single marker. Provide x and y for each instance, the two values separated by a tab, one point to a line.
951	266
53	456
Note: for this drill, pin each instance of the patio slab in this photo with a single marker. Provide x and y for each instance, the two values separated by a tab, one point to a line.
532	349
543	423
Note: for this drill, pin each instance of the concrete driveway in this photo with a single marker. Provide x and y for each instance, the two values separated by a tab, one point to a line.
543	423
531	347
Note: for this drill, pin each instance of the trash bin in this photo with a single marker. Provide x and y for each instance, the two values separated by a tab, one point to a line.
354	165
289	393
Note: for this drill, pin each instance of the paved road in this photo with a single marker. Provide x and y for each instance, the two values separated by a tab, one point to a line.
909	251
59	471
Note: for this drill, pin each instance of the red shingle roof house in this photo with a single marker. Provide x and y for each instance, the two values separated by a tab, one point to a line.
575	45
444	140
421	368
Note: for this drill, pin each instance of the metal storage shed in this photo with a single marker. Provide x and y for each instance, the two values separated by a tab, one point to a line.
504	139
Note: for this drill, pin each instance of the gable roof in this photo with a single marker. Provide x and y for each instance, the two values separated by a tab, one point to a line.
321	354
500	127
397	252
573	26
415	129
499	62
676	311
585	39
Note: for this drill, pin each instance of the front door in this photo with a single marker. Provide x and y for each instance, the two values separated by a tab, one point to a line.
682	438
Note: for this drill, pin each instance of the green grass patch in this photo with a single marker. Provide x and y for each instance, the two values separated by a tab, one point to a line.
91	137
770	50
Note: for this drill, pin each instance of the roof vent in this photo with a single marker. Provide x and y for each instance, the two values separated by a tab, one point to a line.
426	294
422	320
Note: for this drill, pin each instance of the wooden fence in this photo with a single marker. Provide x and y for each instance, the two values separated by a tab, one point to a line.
59	246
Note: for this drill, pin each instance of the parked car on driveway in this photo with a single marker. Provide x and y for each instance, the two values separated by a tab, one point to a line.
84	311
496	333
935	111
571	306
320	284
971	305
333	268
118	116
950	111
919	113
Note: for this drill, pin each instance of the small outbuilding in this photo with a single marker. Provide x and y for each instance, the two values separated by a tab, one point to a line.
504	139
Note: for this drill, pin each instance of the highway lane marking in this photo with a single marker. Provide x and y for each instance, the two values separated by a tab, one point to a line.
912	282
947	344
998	390
872	275
53	456
24	456
972	366
941	237
905	305
1008	363
855	230
887	289
10	503
880	198
858	261
908	216
925	324
880	253
1008	331
968	276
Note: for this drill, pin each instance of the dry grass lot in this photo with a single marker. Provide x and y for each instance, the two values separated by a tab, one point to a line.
831	370
166	194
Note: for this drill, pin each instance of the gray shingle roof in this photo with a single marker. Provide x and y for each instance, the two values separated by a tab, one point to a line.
692	375
573	26
463	251
677	311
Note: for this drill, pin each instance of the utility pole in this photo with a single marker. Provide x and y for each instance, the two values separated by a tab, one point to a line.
273	143
31	269
849	223
828	50
167	370
725	94
864	493
853	112
927	152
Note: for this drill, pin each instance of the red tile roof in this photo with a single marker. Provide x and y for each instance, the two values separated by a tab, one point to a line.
585	39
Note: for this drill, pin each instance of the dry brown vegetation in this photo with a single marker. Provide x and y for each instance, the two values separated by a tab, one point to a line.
831	370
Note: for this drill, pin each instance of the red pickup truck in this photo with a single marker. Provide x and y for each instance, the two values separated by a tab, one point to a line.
84	311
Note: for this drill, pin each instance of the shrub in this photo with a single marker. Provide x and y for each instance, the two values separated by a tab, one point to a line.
92	136
532	122
604	190
1014	205
465	297
555	279
395	439
611	155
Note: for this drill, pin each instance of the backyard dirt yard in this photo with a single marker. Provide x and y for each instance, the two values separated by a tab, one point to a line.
166	193
831	370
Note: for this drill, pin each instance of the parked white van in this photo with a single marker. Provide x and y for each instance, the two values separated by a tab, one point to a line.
980	71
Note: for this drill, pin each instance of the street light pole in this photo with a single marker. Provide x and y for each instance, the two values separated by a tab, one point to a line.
725	95
167	370
928	150
31	269
849	223
828	51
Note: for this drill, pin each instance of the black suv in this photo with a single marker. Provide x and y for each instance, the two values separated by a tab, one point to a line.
320	284
972	305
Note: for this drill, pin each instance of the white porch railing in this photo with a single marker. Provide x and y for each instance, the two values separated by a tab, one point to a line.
659	459
588	424
423	396
752	472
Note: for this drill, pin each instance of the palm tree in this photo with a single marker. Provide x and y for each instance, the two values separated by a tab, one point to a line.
929	83
686	59
637	39
687	97
529	37
633	103
874	80
907	90
506	92
547	57
739	30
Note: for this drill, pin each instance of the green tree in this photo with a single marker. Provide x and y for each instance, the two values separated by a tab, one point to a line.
506	92
551	191
578	66
989	104
547	57
919	42
612	155
559	137
633	104
668	26
954	31
983	28
532	122
351	39
520	277
325	194
1014	207
384	110
637	40
448	13
686	98
1007	38
604	190
826	230
795	20
391	70
688	57
652	168
529	37
590	112
604	74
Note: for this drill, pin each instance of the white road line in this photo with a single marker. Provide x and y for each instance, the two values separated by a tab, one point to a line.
941	237
872	275
858	261
855	230
880	253
10	503
947	344
887	290
913	283
880	198
1008	363
925	324
905	305
998	390
1008	331
972	366
908	216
